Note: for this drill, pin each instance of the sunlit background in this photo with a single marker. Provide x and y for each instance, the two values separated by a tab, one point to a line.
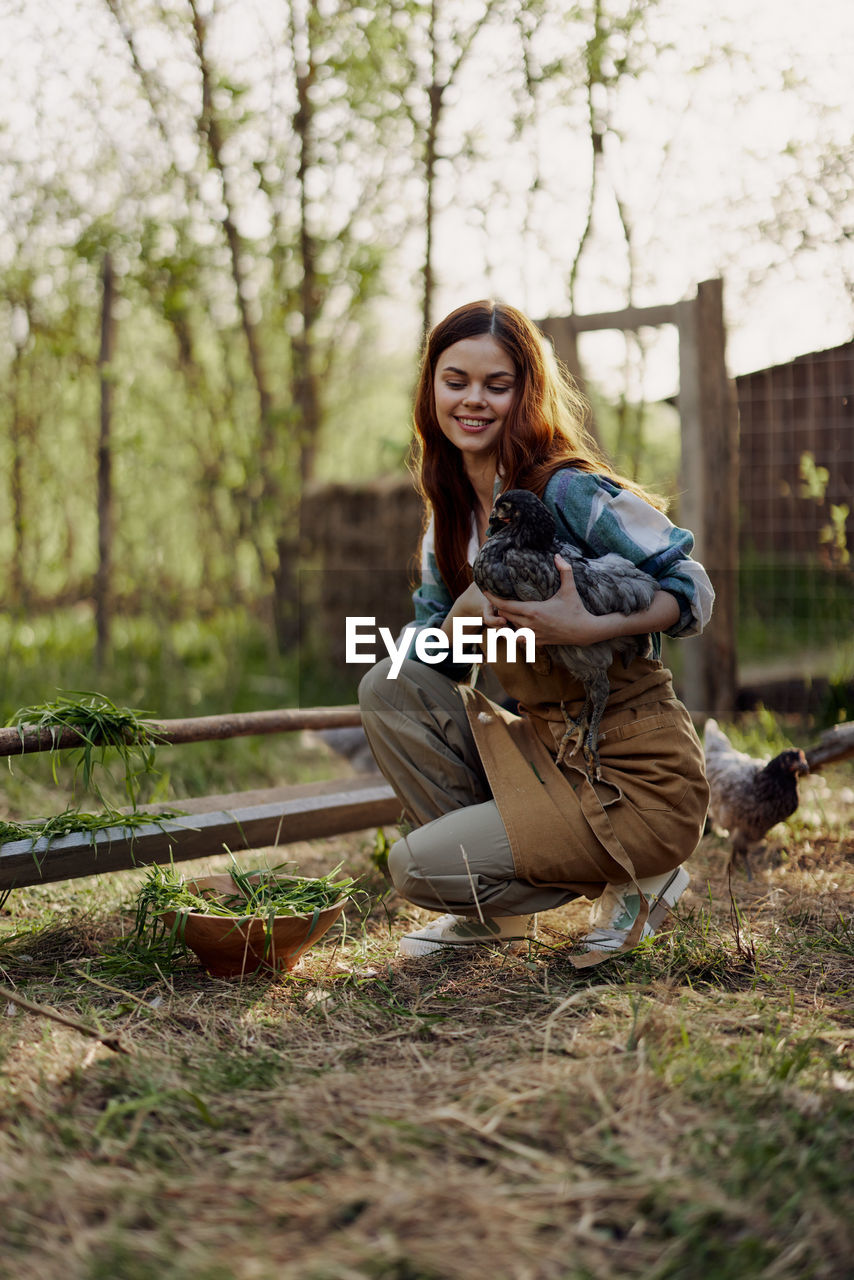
289	191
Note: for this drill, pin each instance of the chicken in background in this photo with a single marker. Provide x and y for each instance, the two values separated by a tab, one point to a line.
749	796
516	562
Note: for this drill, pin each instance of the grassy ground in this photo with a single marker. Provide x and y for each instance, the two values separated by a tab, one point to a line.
684	1112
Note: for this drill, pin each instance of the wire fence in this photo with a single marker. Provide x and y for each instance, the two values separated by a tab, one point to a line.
795	571
796	498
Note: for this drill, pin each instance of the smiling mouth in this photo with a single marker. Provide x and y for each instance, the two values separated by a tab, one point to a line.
475	424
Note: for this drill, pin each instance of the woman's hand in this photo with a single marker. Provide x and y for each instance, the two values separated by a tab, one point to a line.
562	619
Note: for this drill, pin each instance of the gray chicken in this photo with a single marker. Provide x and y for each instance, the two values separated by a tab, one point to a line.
516	562
748	796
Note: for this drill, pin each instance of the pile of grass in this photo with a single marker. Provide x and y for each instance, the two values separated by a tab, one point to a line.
263	894
109	733
257	893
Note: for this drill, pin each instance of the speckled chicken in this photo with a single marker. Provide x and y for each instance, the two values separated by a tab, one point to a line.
516	562
748	796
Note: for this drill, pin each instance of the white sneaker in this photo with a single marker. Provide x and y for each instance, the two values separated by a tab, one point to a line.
463	931
612	915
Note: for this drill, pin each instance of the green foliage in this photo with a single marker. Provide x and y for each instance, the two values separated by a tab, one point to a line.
833	536
785	606
380	852
643	440
761	734
216	337
374	437
181	666
813	478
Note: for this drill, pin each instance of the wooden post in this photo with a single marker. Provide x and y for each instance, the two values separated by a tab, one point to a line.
708	410
562	332
709	413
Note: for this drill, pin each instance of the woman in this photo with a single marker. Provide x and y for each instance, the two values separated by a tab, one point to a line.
500	832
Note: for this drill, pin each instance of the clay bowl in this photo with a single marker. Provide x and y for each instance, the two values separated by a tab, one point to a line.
236	946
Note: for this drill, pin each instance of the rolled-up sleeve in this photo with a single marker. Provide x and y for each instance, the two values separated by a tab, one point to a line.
594	512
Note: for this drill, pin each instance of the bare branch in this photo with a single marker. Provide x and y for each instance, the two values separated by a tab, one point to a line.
211	129
42	1011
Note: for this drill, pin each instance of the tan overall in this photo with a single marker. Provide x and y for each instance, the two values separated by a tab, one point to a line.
643	818
497	823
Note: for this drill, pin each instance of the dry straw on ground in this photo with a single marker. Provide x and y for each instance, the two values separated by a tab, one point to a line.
682	1112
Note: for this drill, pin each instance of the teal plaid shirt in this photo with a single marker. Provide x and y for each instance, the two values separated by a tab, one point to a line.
597	515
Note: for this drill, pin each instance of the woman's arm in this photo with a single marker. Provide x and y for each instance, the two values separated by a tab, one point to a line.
599	516
563	619
435	608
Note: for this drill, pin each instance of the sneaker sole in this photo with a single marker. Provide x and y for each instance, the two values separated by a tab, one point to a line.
427	947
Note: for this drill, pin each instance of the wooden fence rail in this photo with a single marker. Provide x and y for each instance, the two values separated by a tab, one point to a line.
15	742
248	819
210	825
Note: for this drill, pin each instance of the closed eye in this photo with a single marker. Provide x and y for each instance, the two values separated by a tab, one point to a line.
493	389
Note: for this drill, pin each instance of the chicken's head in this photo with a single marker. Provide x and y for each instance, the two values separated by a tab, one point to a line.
523	512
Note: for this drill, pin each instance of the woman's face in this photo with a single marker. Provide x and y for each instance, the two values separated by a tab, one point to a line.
475	388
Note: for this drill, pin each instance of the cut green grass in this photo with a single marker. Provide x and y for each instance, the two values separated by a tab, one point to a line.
75	822
262	894
104	728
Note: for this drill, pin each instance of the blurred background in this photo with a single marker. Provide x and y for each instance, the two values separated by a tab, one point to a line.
225	226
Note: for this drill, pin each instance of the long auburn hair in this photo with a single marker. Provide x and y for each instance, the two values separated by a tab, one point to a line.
546	429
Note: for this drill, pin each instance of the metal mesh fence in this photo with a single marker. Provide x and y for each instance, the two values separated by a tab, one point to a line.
796	498
796	507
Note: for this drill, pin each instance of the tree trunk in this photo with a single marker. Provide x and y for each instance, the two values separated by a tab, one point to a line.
434	93
103	576
430	157
306	389
210	126
211	129
19	588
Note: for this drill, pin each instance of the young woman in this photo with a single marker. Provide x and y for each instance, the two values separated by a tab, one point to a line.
500	831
